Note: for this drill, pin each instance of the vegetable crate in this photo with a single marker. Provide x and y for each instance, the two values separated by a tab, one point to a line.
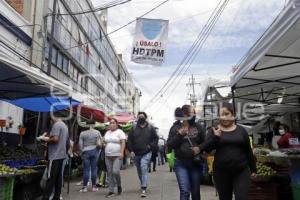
7	188
263	191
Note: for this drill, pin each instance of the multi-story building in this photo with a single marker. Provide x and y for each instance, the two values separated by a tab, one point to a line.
82	55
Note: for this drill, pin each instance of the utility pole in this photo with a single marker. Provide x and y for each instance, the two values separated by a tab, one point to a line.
51	37
193	98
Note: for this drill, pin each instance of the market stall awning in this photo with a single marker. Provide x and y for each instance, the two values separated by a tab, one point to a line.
91	113
44	104
270	72
123	117
20	81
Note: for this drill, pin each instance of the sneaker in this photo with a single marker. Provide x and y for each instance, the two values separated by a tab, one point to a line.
99	185
120	190
110	194
79	183
143	194
95	189
83	190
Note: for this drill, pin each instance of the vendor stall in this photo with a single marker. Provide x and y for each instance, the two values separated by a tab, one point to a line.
267	85
21	168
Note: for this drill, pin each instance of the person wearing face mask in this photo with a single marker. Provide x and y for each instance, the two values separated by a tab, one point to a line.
184	138
234	162
114	141
287	139
141	141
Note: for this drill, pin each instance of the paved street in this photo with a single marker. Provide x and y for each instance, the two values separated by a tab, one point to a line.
163	186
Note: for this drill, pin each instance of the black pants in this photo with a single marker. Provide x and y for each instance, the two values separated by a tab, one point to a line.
228	182
153	160
54	181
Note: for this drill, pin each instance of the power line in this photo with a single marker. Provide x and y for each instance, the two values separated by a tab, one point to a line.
200	41
195	43
195	55
174	21
103	7
138	17
121	26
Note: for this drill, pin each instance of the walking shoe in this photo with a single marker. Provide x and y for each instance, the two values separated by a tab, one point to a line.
79	183
143	194
83	190
95	189
110	194
120	190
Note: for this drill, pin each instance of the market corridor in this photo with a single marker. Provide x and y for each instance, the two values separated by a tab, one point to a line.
163	186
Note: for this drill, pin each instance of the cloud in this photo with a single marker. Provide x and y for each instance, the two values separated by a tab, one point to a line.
240	25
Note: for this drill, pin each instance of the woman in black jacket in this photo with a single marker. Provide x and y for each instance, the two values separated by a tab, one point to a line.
182	138
234	161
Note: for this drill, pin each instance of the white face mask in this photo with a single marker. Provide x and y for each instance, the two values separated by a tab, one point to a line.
281	131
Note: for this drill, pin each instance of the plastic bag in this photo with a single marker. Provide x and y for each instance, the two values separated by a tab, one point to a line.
44	179
171	159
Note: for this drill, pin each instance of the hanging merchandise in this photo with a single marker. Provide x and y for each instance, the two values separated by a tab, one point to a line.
150	42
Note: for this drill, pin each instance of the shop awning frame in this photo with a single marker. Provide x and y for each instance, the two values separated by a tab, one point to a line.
18	80
271	69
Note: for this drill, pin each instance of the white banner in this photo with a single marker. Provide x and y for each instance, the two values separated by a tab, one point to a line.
150	42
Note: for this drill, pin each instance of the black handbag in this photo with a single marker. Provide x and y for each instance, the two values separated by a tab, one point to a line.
198	159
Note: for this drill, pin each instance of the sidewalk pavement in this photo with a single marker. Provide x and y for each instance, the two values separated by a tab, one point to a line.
162	186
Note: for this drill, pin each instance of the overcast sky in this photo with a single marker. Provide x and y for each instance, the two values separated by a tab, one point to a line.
241	24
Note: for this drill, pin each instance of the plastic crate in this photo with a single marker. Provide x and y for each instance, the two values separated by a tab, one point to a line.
263	191
7	188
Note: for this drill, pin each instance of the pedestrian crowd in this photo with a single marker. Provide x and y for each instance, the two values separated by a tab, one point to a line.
184	150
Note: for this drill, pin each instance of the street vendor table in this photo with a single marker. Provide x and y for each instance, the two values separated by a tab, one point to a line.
27	186
288	167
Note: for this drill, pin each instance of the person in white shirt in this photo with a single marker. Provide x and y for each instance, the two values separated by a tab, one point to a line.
114	141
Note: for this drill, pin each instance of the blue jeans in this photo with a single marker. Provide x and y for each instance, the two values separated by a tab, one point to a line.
188	176
90	159
142	164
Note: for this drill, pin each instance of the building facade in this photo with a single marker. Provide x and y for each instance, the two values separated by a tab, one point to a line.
82	55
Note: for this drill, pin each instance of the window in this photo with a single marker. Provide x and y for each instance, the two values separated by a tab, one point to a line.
59	63
75	76
54	52
71	70
65	65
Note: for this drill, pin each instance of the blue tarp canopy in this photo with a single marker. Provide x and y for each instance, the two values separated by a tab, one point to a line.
44	104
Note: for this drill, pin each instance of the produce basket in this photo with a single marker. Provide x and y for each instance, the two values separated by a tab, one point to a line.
261	179
263	159
6	188
263	191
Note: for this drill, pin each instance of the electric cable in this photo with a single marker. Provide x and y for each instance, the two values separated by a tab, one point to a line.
119	27
195	55
200	43
195	43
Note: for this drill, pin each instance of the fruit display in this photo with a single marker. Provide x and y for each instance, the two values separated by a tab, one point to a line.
6	170
16	153
264	170
261	151
26	171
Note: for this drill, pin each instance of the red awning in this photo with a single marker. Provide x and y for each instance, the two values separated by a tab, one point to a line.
91	113
123	117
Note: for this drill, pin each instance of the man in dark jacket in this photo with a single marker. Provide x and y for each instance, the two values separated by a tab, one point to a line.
141	141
